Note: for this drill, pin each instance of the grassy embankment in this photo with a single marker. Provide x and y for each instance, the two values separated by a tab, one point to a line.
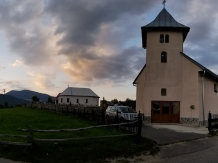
75	151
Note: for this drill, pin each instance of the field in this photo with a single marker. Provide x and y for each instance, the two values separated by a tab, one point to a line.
74	151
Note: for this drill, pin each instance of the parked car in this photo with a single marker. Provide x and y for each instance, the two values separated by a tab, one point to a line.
125	113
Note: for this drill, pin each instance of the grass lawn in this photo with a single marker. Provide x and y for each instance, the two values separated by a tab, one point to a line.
74	151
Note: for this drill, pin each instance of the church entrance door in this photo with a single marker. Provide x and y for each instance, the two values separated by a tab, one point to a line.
165	112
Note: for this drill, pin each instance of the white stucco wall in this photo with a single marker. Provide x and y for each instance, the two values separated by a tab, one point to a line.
92	101
210	97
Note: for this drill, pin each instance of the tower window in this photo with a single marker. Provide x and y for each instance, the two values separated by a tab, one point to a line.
215	88
86	101
163	91
161	38
77	100
166	38
67	100
61	100
163	57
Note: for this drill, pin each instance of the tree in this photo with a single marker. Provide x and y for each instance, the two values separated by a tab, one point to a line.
50	99
115	101
35	99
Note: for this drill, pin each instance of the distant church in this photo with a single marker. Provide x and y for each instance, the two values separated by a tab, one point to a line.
172	87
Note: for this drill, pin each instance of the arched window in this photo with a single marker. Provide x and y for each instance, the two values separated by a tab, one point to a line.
161	38
166	38
163	57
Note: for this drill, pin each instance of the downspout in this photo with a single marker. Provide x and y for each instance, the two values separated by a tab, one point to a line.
203	97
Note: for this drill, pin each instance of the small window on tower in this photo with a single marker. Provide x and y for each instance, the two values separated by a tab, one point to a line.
163	57
215	88
166	38
67	100
77	101
161	38
86	101
163	91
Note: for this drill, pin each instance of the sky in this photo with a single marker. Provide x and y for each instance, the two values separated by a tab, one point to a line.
48	45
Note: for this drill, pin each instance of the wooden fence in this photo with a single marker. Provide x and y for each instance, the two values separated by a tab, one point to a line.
135	124
93	113
86	112
212	121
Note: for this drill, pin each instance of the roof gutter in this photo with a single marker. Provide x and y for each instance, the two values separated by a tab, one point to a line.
202	78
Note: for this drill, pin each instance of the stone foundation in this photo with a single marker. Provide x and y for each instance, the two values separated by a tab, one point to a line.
188	121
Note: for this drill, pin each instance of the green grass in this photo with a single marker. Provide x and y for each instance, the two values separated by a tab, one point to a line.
75	151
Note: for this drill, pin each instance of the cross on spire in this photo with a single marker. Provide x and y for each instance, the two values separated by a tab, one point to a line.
164	1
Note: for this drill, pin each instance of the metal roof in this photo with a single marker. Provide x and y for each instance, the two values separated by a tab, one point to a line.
73	91
163	22
165	19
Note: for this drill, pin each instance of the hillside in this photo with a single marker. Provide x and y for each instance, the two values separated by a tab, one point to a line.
27	95
11	100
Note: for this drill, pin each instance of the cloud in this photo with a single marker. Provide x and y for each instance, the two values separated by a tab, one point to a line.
99	41
2	67
17	63
42	80
95	37
201	17
28	36
12	84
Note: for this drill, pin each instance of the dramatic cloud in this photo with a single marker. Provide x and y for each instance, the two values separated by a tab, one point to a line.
22	24
201	17
98	41
96	36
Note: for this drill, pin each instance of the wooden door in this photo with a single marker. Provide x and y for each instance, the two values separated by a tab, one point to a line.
165	112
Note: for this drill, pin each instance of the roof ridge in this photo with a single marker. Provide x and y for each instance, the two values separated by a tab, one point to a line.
200	65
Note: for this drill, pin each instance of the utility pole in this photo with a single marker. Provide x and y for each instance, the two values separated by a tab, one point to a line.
4	97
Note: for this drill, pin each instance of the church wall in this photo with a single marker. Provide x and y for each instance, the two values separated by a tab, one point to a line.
190	93
160	75
210	97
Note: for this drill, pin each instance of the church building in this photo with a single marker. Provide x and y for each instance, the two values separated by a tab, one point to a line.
172	87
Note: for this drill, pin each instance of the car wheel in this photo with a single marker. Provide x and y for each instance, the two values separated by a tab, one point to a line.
107	118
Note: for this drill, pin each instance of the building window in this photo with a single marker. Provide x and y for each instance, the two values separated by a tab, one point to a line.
161	38
166	38
215	88
67	100
77	100
163	91
86	101
61	100
163	57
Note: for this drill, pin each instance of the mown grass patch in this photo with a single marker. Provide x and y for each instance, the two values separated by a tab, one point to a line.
96	150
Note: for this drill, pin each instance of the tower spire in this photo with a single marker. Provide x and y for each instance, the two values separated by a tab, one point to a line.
164	2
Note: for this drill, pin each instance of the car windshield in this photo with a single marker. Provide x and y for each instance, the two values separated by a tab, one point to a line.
127	110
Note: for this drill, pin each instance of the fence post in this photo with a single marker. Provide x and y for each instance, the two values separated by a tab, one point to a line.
139	135
84	113
92	115
102	116
209	122
117	118
31	135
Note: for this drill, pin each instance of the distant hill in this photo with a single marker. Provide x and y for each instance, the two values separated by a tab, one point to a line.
11	100
27	95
